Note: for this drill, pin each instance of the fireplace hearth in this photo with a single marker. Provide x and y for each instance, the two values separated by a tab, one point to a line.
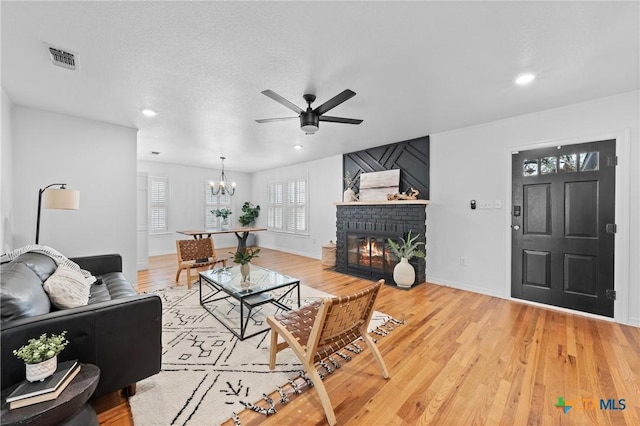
363	229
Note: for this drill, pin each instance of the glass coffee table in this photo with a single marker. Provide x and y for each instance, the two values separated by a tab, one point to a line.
243	311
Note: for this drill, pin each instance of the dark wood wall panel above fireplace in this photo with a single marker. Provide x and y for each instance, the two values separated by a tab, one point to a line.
411	157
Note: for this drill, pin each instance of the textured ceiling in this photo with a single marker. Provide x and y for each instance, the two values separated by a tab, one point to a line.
418	68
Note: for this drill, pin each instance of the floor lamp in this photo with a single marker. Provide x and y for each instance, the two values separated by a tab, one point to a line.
58	199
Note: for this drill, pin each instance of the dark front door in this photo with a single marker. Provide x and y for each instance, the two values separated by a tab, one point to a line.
562	226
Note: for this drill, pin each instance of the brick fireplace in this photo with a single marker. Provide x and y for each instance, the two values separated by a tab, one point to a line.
362	232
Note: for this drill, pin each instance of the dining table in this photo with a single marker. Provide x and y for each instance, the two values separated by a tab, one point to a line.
241	234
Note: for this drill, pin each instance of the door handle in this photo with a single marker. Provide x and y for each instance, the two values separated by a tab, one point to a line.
515	227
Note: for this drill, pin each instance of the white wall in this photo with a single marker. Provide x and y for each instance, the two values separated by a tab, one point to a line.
186	202
325	188
96	158
6	177
474	163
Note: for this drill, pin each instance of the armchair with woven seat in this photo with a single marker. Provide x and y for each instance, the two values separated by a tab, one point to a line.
321	328
196	253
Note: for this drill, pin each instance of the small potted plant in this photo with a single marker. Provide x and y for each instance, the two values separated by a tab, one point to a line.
41	355
244	259
403	273
250	214
224	214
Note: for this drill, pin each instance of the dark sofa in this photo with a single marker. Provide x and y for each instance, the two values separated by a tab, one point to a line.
119	330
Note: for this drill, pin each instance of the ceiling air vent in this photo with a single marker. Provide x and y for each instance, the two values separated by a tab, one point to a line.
62	58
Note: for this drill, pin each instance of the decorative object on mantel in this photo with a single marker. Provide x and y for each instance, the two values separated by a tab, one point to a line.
349	195
244	259
224	214
41	355
375	186
222	185
250	214
411	194
404	274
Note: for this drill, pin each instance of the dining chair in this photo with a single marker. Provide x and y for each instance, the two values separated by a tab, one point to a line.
194	254
323	327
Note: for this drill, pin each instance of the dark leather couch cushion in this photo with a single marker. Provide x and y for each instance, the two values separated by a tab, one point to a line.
114	286
21	292
42	265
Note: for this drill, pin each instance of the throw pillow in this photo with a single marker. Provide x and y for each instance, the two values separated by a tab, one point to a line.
67	288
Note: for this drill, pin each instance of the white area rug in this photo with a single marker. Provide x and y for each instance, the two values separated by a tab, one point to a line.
206	370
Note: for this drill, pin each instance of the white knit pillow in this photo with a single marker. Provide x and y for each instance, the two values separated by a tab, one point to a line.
67	288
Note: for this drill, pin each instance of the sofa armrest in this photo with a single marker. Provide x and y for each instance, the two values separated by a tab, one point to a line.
123	337
100	264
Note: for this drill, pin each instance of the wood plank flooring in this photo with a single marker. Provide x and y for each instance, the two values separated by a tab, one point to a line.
461	359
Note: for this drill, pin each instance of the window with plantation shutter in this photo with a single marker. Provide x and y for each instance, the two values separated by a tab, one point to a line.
211	203
288	209
159	194
275	206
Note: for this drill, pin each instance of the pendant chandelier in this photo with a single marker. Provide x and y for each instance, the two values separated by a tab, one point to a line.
223	183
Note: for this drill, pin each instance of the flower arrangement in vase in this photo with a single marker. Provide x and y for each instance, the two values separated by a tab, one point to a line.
224	214
41	355
403	273
243	258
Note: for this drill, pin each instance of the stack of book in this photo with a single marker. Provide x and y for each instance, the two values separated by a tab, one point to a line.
28	393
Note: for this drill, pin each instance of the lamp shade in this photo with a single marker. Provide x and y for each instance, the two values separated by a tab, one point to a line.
61	199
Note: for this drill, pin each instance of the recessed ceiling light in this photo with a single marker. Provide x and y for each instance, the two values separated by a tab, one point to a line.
525	79
297	146
149	112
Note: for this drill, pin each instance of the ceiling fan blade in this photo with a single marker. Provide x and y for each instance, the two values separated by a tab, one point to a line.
339	119
269	120
273	95
334	102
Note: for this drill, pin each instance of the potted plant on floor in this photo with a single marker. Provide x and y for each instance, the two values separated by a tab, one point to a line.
404	274
243	258
250	213
41	355
224	214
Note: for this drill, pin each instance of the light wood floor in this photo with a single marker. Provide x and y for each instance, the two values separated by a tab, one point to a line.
461	359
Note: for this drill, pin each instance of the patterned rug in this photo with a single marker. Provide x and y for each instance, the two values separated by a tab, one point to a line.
207	373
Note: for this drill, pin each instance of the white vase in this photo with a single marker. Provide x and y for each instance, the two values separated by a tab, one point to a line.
245	271
403	273
225	224
349	196
39	372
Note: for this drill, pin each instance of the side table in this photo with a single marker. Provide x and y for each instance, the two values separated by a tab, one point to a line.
70	408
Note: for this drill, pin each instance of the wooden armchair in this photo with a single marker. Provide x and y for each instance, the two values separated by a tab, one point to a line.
322	328
196	253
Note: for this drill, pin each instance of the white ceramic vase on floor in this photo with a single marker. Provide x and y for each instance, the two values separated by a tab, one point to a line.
403	273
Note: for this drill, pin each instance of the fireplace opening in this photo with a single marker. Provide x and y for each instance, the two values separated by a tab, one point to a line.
370	254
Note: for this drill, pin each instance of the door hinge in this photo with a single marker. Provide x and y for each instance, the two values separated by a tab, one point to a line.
611	294
611	228
612	161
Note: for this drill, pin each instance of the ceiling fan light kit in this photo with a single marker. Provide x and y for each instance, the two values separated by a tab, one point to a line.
310	119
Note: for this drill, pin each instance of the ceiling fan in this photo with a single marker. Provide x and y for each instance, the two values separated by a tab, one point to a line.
310	118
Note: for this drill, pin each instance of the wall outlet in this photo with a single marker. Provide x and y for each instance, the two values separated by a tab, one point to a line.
463	261
497	204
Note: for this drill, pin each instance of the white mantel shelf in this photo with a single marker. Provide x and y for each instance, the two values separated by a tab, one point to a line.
377	203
